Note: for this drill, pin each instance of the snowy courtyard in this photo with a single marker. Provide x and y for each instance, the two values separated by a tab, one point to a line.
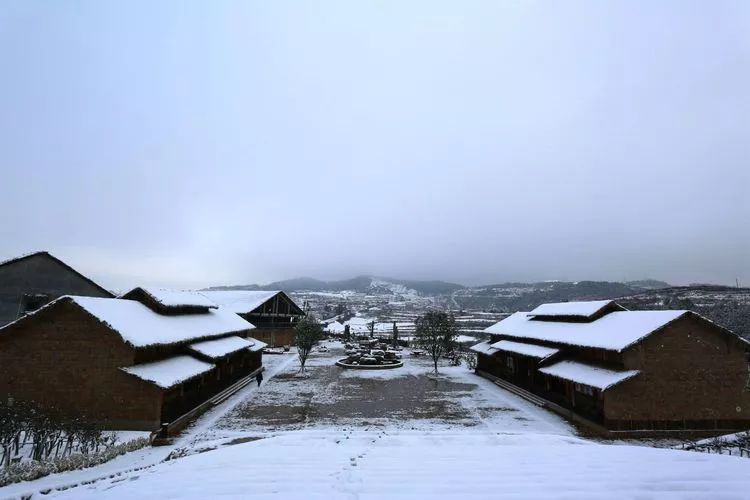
336	433
410	398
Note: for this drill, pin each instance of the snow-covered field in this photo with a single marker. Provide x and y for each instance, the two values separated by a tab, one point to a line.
439	464
334	433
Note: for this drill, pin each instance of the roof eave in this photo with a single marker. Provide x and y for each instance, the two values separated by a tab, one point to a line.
629	377
161	387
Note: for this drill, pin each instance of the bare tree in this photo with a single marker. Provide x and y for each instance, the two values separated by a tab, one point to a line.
308	332
436	333
46	433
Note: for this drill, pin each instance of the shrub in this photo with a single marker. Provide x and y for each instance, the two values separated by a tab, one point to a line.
28	471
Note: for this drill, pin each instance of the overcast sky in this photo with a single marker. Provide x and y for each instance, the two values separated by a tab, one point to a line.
186	144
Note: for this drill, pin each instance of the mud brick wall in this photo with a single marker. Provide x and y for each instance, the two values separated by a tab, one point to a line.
691	371
64	358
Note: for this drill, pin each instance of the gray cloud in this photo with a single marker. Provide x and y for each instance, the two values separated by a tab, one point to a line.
187	145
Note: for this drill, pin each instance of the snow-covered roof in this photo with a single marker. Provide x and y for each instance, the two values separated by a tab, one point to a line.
463	339
583	309
335	327
535	351
169	372
615	331
239	301
257	344
176	298
141	327
592	376
218	348
483	348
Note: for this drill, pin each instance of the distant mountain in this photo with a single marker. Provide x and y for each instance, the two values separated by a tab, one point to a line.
363	284
511	297
728	306
648	284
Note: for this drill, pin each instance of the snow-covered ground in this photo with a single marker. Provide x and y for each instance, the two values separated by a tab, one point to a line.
336	433
410	397
439	464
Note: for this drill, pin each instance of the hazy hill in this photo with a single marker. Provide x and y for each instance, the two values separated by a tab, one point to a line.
727	306
362	284
511	297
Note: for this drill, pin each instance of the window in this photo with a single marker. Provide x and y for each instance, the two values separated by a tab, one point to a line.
509	363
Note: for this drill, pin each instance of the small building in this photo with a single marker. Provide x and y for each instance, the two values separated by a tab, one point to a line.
360	326
133	363
624	371
335	328
273	313
31	281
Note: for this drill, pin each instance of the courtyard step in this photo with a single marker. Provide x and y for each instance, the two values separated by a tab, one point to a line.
528	396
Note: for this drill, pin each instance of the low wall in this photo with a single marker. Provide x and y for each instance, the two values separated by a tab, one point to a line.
369	367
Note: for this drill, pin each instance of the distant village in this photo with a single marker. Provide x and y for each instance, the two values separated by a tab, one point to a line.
150	359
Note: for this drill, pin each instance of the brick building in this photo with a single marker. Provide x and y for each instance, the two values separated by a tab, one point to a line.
620	370
135	363
30	281
274	313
